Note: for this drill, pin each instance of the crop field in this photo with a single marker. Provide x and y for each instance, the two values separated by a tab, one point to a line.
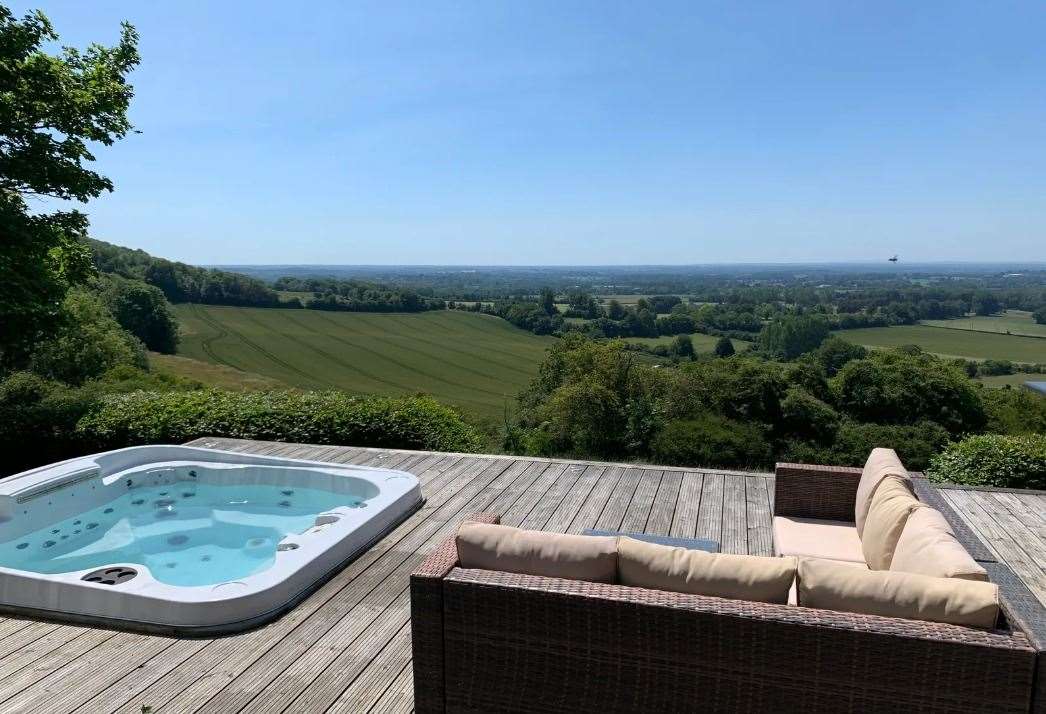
476	362
952	343
1014	322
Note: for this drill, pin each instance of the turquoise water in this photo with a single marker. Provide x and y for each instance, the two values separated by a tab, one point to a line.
186	533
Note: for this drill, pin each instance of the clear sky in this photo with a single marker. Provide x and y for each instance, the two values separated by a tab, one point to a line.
570	132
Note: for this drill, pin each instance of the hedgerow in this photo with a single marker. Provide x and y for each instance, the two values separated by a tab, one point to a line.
1017	461
304	417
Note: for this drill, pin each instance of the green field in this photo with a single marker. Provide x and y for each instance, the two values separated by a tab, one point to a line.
1015	322
702	342
211	374
1014	380
477	362
952	343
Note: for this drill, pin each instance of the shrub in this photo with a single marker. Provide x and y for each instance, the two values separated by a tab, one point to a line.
307	417
805	416
915	444
993	460
711	441
37	421
895	387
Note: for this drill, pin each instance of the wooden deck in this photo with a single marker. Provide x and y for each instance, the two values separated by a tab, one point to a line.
347	647
1013	526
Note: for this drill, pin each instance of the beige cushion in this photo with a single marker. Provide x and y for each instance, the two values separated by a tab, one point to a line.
554	555
815	538
892	503
793	592
880	464
739	577
834	586
928	546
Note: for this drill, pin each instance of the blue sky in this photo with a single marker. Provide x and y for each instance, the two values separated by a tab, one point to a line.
576	132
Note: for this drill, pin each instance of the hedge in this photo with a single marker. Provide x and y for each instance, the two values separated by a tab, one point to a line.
993	460
304	417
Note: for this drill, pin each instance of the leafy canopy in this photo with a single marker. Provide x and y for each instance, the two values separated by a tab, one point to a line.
53	108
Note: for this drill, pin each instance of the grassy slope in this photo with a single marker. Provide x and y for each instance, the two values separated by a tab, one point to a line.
210	374
1016	322
476	362
952	343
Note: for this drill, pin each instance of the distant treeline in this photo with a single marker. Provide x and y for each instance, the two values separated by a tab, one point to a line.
181	282
744	311
356	296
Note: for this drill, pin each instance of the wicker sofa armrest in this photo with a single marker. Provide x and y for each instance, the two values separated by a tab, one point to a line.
426	618
815	491
519	642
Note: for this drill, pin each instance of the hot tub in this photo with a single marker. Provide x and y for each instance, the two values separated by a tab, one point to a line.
187	540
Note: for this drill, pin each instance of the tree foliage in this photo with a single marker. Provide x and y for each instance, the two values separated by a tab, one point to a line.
53	108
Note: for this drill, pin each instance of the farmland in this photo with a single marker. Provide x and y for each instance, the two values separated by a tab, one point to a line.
476	362
952	342
1014	322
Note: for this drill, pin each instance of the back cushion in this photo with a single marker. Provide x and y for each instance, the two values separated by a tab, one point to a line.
891	505
928	546
828	585
554	555
739	577
881	463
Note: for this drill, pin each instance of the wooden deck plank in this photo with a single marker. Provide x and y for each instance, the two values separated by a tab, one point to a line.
642	501
664	507
710	513
735	516
684	521
614	511
757	506
596	500
347	646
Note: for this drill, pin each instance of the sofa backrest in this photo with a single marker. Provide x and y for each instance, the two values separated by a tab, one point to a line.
880	464
928	546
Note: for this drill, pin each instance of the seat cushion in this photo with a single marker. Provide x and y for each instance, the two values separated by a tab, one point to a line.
928	546
880	464
554	555
681	570
815	538
892	503
834	586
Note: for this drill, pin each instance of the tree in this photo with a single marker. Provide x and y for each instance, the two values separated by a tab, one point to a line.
548	301
683	347
1040	315
985	303
615	310
143	311
87	343
52	109
792	335
724	347
894	387
835	352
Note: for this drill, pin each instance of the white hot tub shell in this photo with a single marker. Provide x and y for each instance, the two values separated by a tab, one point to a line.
303	561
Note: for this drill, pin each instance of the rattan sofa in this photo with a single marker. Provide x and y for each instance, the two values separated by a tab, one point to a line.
494	641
